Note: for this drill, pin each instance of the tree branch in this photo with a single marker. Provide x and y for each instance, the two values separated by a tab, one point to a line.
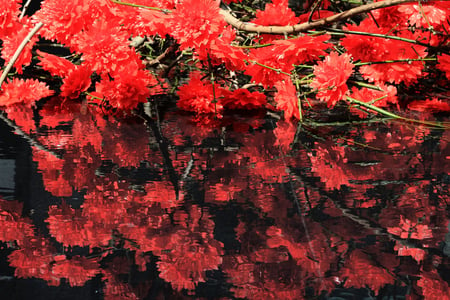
308	25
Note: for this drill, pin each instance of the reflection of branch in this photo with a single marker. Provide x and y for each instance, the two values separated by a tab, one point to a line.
163	148
311	25
25	136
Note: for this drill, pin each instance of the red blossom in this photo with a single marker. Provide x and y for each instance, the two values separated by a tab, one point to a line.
276	13
444	64
287	99
331	76
12	42
196	23
200	96
23	91
9	21
128	88
105	49
62	22
77	81
57	66
430	105
243	99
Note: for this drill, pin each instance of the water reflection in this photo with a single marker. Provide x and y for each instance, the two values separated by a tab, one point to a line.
246	207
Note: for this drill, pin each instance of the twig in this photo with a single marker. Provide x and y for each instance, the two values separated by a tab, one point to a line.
19	50
308	26
24	9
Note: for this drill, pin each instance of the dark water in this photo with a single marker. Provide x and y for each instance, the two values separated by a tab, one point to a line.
249	207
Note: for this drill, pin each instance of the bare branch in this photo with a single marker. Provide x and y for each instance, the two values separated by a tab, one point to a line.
311	25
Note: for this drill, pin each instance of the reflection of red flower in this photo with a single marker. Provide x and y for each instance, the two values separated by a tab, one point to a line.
433	287
361	271
331	76
326	165
185	265
13	226
66	225
77	270
34	260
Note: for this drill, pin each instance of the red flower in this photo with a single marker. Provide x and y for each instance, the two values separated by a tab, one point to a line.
429	105
105	48
387	95
331	76
77	81
444	64
287	99
196	23
62	22
198	96
57	66
23	91
220	51
243	99
129	88
423	15
283	54
12	42
9	22
276	13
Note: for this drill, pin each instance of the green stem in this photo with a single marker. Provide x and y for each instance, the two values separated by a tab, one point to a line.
164	10
407	60
334	31
268	67
392	115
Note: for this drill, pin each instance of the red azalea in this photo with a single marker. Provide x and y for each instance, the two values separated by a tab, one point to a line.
196	23
23	91
331	76
200	96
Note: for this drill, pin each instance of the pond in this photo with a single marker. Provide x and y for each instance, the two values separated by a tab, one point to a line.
161	206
